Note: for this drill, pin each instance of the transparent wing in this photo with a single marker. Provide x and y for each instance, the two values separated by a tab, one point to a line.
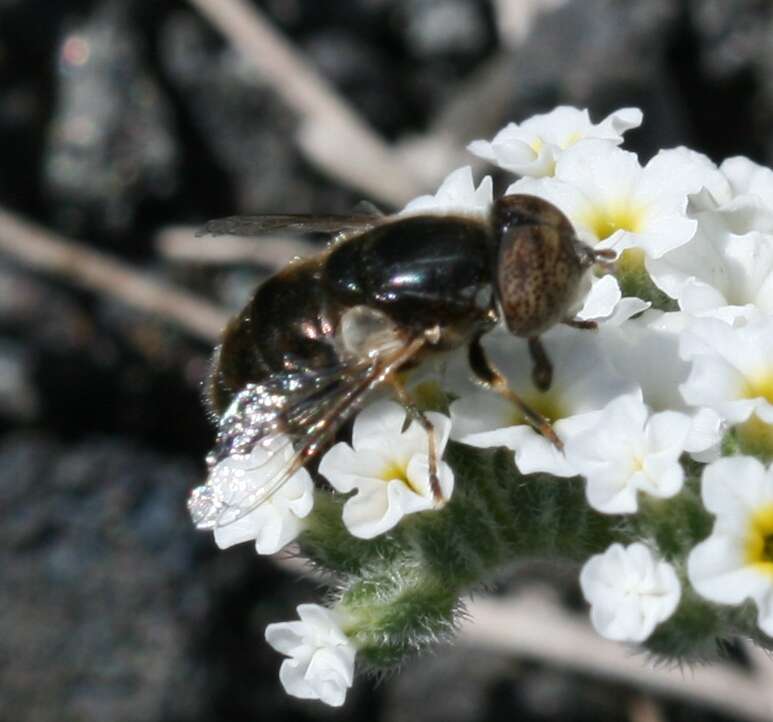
299	223
254	458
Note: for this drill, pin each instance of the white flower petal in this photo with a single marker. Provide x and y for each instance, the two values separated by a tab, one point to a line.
371	511
630	592
602	299
233	502
388	467
375	422
418	475
731	366
532	147
716	569
344	467
734	564
624	451
457	194
321	663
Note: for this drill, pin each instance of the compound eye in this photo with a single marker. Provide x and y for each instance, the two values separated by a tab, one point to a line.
539	268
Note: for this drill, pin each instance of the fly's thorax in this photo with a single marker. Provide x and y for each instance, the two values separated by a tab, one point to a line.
539	269
421	271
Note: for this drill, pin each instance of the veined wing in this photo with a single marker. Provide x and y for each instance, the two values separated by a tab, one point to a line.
298	223
255	430
312	407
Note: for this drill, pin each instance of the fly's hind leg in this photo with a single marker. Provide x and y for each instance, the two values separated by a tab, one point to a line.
493	378
420	417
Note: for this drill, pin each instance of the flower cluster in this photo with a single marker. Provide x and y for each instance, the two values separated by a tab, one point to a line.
661	402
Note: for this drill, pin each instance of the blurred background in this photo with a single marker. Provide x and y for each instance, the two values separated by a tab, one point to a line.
125	124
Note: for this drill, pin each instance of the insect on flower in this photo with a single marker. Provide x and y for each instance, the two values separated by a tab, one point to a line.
318	337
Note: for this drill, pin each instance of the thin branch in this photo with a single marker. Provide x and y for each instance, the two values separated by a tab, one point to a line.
516	19
762	664
180	244
43	250
532	626
332	133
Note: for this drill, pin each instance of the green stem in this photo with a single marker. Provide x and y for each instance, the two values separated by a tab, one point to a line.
402	590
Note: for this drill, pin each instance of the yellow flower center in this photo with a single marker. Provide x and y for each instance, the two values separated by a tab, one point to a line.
759	540
604	221
398	472
755	437
571	139
536	145
760	386
395	471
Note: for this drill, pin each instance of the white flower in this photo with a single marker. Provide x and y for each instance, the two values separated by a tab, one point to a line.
388	466
531	148
605	303
457	194
732	368
630	592
321	664
736	561
718	269
615	203
746	203
240	482
626	451
752	188
583	383
645	350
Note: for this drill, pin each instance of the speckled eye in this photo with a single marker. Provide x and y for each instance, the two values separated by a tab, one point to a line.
539	268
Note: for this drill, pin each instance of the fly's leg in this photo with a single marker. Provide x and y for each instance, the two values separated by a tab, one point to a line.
493	378
580	324
542	371
420	417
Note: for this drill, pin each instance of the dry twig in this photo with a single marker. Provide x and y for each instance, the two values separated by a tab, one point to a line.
332	134
530	625
43	250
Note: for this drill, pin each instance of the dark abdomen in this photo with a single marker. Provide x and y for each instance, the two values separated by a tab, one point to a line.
423	272
287	327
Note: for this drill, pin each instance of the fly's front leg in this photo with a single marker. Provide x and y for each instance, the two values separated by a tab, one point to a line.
542	371
420	417
580	324
491	376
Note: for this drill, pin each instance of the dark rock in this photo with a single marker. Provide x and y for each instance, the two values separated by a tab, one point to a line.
112	607
103	368
244	124
732	36
18	398
97	594
432	28
111	143
362	73
603	55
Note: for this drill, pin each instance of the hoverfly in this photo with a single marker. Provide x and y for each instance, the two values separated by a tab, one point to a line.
318	337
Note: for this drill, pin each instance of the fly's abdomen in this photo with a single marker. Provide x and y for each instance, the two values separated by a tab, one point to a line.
287	328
